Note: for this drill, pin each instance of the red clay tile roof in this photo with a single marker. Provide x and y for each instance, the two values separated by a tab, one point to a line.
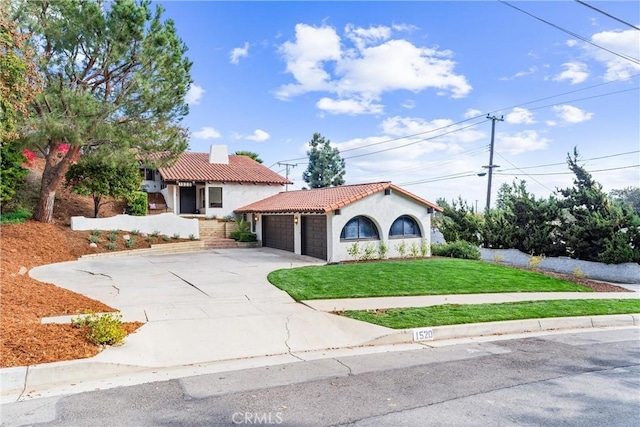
196	167
323	200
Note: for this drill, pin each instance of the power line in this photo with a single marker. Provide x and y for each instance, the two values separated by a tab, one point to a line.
564	163
524	173
571	173
578	36
607	14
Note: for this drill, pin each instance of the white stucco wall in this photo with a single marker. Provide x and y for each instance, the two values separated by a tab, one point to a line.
383	211
165	223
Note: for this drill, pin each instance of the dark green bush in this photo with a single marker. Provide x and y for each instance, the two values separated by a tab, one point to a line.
102	329
457	249
15	217
243	236
138	204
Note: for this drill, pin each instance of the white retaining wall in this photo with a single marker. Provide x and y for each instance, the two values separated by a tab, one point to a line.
166	223
620	273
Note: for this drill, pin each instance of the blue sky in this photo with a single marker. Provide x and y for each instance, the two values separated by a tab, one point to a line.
403	88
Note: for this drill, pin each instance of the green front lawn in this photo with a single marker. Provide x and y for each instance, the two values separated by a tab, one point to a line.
435	276
404	318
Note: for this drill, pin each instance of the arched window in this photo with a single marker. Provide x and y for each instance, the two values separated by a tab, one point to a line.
359	228
405	226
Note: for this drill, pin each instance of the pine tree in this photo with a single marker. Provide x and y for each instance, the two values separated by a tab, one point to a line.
326	167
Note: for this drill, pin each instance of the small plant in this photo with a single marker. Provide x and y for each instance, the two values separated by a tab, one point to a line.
414	250
148	239
111	246
96	232
15	217
192	237
424	248
534	261
243	232
102	329
497	259
228	218
175	236
113	235
383	249
130	243
578	273
93	239
135	232
401	248
368	252
165	238
354	251
155	233
209	218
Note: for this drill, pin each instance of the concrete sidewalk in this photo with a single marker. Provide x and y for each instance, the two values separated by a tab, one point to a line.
330	305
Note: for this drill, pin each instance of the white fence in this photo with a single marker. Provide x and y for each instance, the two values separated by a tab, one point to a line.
620	273
166	223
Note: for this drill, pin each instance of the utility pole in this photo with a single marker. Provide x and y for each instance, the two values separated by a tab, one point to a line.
287	166
491	165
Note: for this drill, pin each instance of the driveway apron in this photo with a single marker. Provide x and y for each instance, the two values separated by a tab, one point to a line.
205	306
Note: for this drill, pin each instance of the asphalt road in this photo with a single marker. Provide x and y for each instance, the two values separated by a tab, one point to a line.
565	379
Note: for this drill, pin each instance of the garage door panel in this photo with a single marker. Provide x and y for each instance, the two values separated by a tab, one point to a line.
314	236
277	232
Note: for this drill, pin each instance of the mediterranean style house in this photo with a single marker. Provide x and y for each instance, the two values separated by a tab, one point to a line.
323	223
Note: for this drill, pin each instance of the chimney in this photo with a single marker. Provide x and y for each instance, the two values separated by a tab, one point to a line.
218	154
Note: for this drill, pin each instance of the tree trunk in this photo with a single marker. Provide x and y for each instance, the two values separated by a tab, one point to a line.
53	175
96	205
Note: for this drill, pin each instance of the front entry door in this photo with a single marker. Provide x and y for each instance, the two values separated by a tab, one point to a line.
187	200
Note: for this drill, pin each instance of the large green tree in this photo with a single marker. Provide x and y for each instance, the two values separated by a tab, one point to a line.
251	154
115	74
458	221
19	84
326	167
104	174
629	196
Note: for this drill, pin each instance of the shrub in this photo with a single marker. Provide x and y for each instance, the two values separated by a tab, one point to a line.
497	259
15	217
192	237
96	232
578	273
383	249
113	235
354	251
534	261
414	250
130	243
165	238
402	249
137	204
135	232
111	246
243	232
176	236
102	329
368	252
457	249
93	239
155	233
424	248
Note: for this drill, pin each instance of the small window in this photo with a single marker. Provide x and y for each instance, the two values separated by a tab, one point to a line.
149	176
405	226
359	228
215	197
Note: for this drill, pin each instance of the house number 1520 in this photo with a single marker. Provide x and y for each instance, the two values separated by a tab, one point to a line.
422	334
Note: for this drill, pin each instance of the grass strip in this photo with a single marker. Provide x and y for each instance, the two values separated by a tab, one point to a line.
434	276
455	314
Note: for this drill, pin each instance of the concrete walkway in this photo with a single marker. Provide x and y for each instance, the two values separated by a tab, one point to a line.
329	305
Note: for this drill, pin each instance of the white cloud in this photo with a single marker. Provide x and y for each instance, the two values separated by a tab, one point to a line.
409	104
321	61
194	94
520	115
349	106
571	114
472	112
520	142
239	52
575	72
258	135
206	132
622	42
527	72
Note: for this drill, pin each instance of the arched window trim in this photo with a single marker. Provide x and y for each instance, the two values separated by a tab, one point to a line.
360	229
404	234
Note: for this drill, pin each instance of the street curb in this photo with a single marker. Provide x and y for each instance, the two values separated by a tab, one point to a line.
18	382
470	330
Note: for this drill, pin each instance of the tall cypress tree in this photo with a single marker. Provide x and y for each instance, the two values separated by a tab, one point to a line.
326	167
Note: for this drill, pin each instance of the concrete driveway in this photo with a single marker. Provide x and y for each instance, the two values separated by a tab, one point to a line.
205	306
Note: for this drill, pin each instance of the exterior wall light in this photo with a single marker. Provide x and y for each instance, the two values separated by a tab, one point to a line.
295	219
